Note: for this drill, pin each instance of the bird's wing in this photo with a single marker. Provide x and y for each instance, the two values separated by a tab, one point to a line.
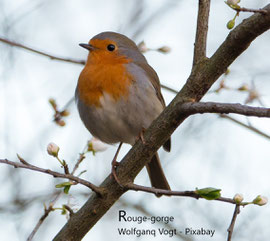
153	77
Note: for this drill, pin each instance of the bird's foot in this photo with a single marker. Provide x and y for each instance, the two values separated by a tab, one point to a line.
115	164
141	137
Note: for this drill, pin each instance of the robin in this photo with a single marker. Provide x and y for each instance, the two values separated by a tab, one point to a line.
118	96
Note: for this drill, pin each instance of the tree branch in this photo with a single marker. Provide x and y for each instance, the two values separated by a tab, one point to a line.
231	227
252	128
12	43
168	88
222	108
250	10
26	165
201	33
262	11
201	79
193	194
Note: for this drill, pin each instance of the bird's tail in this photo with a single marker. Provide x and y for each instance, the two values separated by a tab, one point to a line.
156	174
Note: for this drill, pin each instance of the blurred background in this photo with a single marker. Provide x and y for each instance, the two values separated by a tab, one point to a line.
207	150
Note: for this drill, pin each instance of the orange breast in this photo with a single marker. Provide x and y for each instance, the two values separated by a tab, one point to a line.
103	74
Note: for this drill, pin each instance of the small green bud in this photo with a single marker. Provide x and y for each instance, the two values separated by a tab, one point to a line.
64	211
209	193
66	189
227	71
63	184
231	24
260	200
233	2
244	87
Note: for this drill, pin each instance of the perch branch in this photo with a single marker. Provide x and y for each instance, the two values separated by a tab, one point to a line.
192	194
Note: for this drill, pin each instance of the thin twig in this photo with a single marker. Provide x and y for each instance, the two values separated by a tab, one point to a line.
65	166
252	128
40	221
251	10
169	88
69	209
44	216
76	180
69	60
68	103
231	227
80	159
201	33
156	191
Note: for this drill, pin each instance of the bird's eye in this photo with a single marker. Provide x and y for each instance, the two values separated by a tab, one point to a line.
111	47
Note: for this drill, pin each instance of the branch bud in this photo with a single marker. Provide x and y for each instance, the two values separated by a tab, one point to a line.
142	47
238	198
53	103
231	24
164	49
61	122
244	87
233	2
95	145
64	113
209	193
53	149
260	200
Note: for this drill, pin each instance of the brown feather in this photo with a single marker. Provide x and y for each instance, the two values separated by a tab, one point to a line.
153	77
156	174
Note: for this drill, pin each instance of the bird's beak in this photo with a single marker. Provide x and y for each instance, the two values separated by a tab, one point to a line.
87	46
